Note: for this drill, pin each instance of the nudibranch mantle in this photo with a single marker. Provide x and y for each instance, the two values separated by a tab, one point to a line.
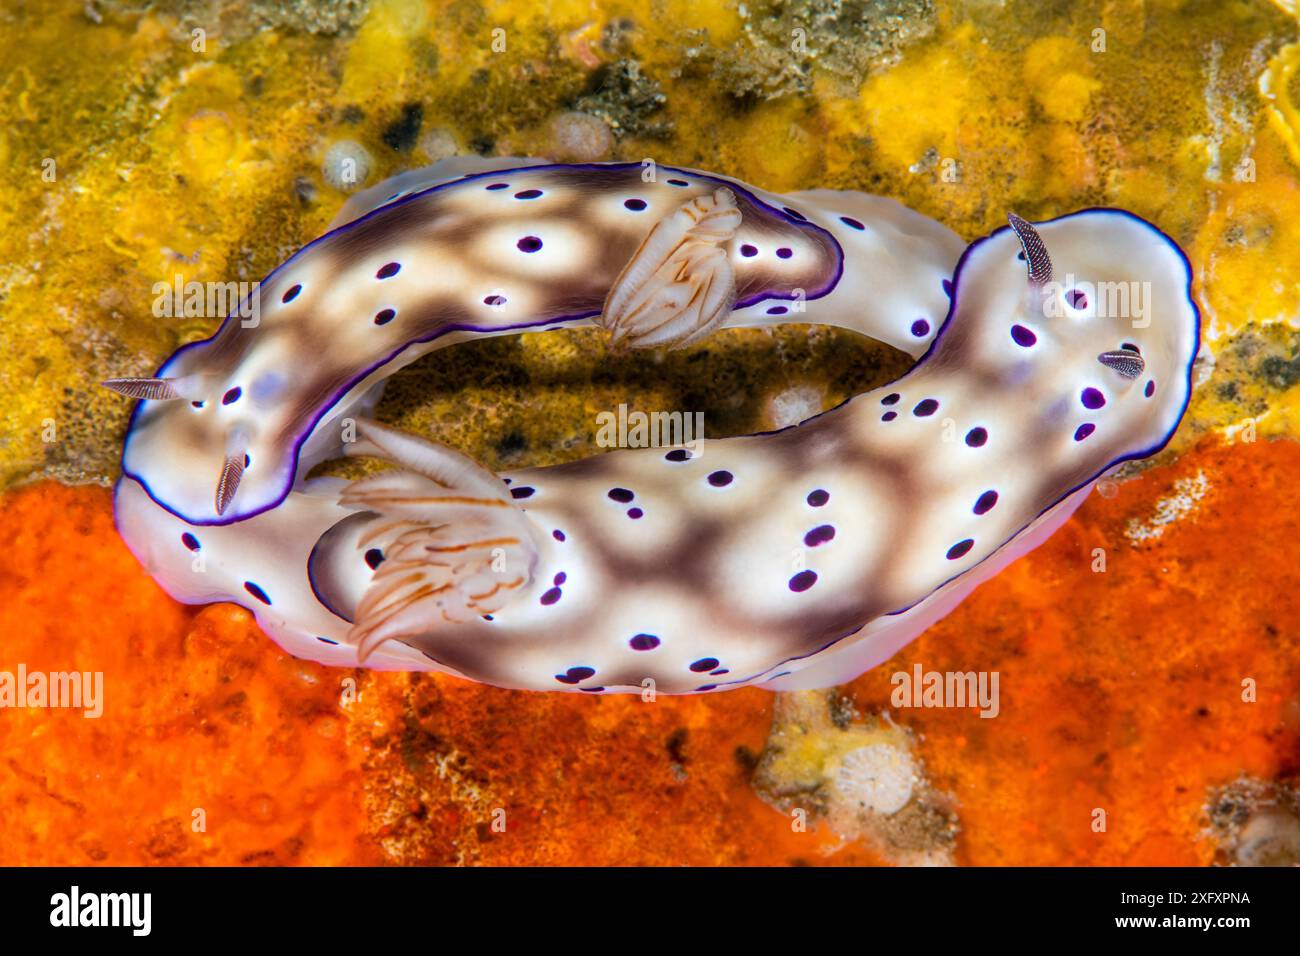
793	559
490	252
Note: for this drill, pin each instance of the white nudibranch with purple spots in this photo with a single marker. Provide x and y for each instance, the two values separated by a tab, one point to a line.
788	560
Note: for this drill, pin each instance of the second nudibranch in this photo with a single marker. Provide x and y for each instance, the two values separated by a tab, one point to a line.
659	257
788	560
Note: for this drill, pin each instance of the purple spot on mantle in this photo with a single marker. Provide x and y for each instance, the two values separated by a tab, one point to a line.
960	549
852	223
678	454
621	494
720	479
925	408
976	437
818	498
388	271
920	327
560	579
634	513
888	416
551	596
291	293
819	535
1092	398
529	244
575	675
1150	389
1076	299
704	664
636	205
891	399
190	541
1023	336
644	642
257	592
803	580
557	534
748	251
777	310
497	186
494	300
784	253
523	491
986	502
1084	430
528	194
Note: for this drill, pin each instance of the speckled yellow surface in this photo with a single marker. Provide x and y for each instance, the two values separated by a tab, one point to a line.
187	137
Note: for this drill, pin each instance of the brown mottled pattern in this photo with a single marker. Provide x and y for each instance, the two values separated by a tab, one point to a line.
329	344
690	565
1029	404
716	568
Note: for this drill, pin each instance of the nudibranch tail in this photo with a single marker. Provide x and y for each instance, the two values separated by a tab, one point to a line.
454	546
679	285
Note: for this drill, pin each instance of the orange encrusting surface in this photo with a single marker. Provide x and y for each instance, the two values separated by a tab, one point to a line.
1120	690
582	782
199	713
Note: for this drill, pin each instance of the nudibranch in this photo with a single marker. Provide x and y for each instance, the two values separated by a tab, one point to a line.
794	559
657	255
